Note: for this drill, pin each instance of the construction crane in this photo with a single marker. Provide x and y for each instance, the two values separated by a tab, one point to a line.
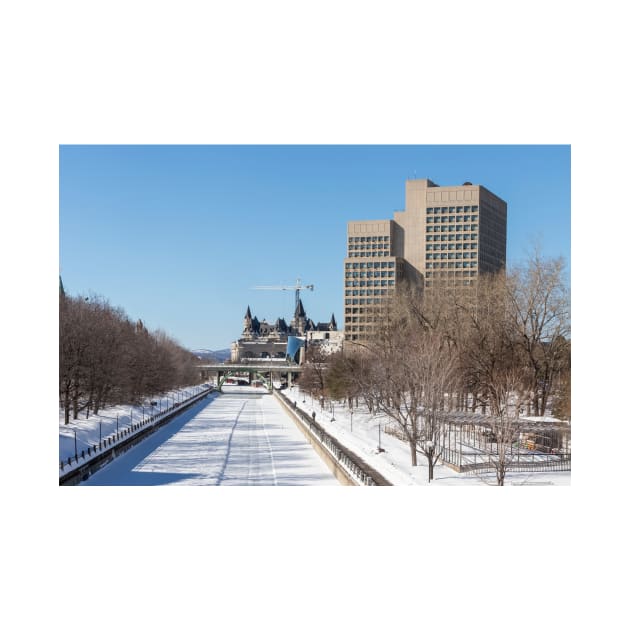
297	288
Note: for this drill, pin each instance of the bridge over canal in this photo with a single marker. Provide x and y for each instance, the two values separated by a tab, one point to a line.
264	371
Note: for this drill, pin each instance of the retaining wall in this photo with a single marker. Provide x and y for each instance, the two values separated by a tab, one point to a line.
112	446
345	465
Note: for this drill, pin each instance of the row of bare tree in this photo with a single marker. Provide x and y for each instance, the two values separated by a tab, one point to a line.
105	358
501	345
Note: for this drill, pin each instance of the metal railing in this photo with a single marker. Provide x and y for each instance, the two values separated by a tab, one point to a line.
95	456
353	465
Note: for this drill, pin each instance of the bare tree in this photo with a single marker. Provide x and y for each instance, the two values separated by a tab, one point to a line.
508	396
313	377
436	371
561	406
338	377
494	362
104	358
412	369
540	305
73	346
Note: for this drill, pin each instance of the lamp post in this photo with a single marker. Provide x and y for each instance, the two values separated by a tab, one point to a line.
76	456
351	412
428	445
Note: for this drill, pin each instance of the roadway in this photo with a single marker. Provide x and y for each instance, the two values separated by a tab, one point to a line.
239	438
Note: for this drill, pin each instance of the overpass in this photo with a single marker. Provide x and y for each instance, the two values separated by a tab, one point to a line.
265	371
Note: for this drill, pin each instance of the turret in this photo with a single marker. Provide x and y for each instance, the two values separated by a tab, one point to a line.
333	323
247	322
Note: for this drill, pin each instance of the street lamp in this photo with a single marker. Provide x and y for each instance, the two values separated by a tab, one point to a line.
380	450
428	447
76	456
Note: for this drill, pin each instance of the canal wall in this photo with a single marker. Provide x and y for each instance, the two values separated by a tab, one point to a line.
347	467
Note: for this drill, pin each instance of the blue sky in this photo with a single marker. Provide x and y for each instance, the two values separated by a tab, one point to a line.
180	235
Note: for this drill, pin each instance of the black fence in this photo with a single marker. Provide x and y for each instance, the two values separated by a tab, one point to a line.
97	455
360	471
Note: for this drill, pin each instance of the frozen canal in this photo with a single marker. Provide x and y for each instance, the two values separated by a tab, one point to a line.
239	438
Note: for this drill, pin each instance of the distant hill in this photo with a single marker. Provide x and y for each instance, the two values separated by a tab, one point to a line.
214	356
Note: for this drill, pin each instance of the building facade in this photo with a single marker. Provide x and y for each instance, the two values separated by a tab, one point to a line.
264	342
450	233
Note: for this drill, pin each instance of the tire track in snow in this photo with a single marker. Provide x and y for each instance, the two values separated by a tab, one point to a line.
273	465
229	446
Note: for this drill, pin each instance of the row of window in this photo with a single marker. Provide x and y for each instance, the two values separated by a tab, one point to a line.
462	218
369	246
366	292
452	209
368	254
369	283
443	246
367	239
356	310
450	274
371	265
452	265
451	255
370	274
452	228
452	237
363	300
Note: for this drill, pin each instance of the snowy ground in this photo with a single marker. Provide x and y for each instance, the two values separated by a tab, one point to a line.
89	429
242	437
213	444
360	433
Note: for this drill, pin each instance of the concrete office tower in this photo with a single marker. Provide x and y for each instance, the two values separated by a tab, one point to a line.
447	232
373	267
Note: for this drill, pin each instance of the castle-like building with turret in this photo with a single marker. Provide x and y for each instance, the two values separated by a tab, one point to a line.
263	341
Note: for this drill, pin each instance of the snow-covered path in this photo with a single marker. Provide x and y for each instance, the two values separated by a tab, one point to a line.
241	438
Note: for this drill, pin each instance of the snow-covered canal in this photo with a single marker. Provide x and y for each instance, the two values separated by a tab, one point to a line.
240	438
